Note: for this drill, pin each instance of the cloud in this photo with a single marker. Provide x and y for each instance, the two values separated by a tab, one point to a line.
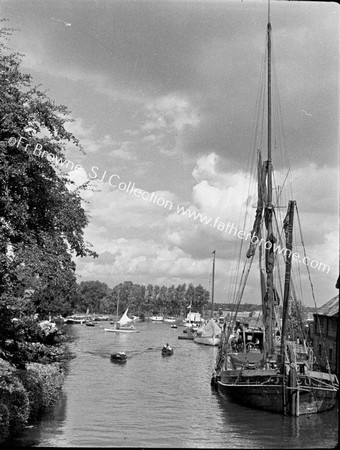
125	152
87	136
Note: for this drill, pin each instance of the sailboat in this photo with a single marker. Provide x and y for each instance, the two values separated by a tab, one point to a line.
280	375
193	319
209	333
122	325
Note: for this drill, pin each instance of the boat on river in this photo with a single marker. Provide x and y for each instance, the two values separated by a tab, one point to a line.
169	319
119	357
193	319
75	320
280	375
187	334
167	350
210	332
157	318
123	325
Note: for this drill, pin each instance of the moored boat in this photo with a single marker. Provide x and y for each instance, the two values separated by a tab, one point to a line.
193	319
210	332
264	372
75	320
169	319
157	318
187	334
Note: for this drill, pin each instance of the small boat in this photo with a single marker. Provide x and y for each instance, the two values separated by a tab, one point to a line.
119	357
167	350
170	319
173	326
122	326
74	320
187	334
89	324
209	333
193	319
157	318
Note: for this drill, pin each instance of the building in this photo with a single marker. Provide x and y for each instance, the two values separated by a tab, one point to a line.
325	335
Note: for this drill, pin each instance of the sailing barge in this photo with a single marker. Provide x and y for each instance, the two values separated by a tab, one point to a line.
281	375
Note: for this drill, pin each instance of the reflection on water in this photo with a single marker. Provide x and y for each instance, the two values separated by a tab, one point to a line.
152	401
51	424
269	430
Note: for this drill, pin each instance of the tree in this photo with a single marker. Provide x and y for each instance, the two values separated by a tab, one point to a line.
92	294
190	296
180	297
297	319
201	297
41	216
42	220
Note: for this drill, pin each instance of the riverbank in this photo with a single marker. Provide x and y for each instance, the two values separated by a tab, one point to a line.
26	393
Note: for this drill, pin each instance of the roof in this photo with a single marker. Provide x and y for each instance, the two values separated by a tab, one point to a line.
331	308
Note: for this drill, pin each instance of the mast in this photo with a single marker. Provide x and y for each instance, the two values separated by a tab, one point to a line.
288	228
117	305
269	254
212	287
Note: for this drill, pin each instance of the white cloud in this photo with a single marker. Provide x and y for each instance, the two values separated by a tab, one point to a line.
170	111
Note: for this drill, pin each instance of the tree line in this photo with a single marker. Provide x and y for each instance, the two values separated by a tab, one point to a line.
142	301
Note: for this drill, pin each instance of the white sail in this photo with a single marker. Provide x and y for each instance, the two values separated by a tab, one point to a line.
125	319
194	316
210	329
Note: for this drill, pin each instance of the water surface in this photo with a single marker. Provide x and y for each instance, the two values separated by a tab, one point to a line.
156	401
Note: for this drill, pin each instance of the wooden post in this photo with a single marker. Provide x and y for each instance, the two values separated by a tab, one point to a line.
297	406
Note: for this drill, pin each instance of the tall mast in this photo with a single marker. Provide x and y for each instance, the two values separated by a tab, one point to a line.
288	227
117	304
269	205
213	285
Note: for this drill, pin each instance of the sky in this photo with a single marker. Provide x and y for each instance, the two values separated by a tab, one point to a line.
164	97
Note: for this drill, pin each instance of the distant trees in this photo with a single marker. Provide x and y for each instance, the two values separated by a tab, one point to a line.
141	300
91	294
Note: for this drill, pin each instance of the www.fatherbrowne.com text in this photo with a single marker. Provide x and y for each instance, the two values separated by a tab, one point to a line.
151	197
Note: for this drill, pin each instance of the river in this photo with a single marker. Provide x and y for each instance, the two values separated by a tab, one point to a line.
155	401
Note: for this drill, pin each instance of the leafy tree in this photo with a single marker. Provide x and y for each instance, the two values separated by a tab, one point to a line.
201	297
92	293
148	299
180	297
41	217
190	296
297	320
